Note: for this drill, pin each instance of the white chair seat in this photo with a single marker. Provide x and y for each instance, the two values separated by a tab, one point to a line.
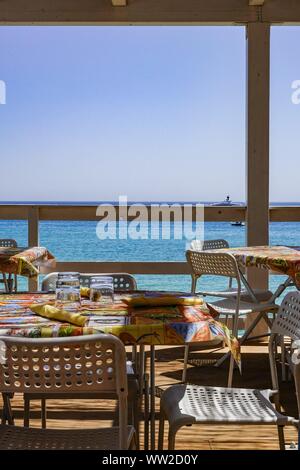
189	404
185	405
260	294
19	438
228	307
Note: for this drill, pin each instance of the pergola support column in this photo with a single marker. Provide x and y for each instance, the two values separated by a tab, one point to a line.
257	166
33	238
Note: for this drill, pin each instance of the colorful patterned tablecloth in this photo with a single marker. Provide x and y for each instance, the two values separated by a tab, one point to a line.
281	259
25	261
163	325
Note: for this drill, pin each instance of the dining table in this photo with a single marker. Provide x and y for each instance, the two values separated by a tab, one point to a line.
284	260
25	261
278	259
138	318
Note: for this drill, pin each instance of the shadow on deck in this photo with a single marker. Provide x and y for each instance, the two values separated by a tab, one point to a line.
169	361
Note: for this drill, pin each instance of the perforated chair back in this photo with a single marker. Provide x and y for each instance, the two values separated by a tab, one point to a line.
123	282
8	242
90	363
287	323
81	364
216	264
203	245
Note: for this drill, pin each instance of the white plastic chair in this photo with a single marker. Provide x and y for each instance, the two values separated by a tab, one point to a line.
10	282
218	244
123	282
137	382
203	245
184	405
225	265
89	364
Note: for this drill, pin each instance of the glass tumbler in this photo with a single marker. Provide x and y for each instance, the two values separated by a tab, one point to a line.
102	290
68	292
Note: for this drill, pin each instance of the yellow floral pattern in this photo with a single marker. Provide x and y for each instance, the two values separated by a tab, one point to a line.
26	261
164	325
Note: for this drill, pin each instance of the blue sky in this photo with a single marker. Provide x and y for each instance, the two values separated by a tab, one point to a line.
155	113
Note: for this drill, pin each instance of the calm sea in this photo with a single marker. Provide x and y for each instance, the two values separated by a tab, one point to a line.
77	241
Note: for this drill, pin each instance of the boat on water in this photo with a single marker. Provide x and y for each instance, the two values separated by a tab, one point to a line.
226	202
238	223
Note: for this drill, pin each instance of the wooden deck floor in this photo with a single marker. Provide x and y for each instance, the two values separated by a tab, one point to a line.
80	414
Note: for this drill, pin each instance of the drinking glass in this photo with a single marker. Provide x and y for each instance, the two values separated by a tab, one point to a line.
68	292
102	290
69	278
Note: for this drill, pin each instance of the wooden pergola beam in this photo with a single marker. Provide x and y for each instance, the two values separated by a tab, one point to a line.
119	3
257	145
281	11
136	12
149	12
256	3
258	119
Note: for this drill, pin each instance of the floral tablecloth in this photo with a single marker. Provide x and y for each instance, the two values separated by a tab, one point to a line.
25	261
163	325
281	259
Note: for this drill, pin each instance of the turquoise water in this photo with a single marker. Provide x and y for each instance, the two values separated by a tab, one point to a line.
77	241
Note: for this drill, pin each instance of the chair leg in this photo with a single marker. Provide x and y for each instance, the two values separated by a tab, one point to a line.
26	412
283	366
133	444
230	373
146	414
10	283
134	355
231	364
136	421
3	415
5	283
281	437
171	439
43	413
7	411
161	431
235	322
185	362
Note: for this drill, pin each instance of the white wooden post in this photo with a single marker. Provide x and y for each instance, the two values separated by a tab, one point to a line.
33	237
258	116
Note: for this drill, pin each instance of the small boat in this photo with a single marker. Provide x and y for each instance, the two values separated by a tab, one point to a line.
226	202
238	223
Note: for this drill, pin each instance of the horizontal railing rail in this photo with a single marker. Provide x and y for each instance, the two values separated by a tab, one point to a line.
72	212
88	212
132	267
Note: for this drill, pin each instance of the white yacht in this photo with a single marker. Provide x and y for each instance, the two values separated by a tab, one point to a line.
226	202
